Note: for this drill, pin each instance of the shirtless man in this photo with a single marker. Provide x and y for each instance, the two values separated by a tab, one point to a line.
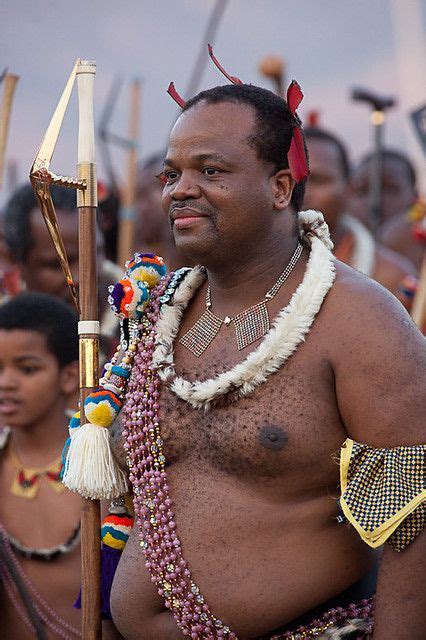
328	191
253	477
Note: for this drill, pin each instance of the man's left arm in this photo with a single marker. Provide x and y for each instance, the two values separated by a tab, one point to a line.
380	374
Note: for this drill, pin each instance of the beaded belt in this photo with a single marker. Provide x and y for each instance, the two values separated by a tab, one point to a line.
355	616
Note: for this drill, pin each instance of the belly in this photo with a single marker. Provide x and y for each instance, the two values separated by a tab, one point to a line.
260	561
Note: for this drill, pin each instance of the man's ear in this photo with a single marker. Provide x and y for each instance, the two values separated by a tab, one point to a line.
69	378
282	185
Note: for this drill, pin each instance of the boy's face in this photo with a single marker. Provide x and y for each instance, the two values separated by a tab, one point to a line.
32	384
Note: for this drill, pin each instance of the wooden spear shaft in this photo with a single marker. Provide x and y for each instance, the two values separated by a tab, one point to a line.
9	83
127	211
89	341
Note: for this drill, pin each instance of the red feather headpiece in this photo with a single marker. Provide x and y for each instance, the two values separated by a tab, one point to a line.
297	160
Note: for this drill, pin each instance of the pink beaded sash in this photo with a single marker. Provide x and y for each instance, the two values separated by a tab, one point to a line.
153	507
342	620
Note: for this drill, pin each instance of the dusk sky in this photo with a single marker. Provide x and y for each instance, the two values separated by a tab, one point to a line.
329	46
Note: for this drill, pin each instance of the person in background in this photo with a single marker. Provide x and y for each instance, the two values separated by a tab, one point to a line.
399	191
31	247
39	517
328	190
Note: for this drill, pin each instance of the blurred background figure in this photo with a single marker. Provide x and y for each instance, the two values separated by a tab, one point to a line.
398	183
328	190
39	517
152	230
10	275
32	249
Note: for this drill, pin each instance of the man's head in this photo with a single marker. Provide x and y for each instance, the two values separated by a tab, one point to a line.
227	161
327	186
151	225
38	357
30	244
398	185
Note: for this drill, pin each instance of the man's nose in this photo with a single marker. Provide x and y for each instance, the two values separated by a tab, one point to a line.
185	187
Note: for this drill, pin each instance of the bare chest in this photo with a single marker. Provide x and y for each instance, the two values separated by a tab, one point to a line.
288	421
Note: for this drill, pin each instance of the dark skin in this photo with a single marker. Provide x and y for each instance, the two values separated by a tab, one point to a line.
257	521
152	230
398	192
328	190
33	397
397	235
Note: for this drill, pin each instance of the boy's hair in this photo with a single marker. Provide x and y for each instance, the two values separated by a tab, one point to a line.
273	132
17	227
47	315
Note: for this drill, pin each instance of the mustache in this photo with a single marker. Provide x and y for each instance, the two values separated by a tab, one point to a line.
191	204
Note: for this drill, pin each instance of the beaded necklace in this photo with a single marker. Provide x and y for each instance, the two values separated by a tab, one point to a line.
153	506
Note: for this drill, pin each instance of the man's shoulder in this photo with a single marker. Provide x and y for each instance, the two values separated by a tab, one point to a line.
363	309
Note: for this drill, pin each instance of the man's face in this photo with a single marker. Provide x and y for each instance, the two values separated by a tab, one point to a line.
326	186
42	271
398	194
151	225
219	195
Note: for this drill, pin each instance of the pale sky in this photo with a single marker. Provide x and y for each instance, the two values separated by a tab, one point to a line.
329	46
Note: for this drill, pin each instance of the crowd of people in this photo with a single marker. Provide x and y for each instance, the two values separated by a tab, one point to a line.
253	477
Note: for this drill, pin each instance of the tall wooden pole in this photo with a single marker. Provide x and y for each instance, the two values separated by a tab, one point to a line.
9	86
127	211
89	341
273	67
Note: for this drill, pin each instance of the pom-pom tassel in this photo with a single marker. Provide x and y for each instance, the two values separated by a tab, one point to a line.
90	467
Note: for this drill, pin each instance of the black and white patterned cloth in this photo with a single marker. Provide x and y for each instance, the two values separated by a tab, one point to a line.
384	492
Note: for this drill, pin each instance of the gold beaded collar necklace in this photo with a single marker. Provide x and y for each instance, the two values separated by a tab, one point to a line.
250	324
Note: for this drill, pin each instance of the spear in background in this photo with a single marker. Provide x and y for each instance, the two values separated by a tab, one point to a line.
127	212
273	67
88	327
209	34
379	105
9	81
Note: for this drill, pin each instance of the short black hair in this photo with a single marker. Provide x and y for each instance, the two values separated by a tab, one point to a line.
274	125
47	315
398	156
17	227
316	133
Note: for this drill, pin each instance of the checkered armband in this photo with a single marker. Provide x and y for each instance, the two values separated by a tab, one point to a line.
383	492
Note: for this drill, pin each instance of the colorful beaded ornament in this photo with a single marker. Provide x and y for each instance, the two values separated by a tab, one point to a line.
90	468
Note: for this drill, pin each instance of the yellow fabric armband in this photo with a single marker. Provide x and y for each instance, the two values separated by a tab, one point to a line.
383	492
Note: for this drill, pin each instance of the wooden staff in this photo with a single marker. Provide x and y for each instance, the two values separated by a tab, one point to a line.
88	329
273	67
87	302
9	82
127	210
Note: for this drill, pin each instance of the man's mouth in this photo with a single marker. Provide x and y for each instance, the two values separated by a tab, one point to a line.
184	217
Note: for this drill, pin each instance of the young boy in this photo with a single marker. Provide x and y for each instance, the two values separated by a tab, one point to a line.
39	517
